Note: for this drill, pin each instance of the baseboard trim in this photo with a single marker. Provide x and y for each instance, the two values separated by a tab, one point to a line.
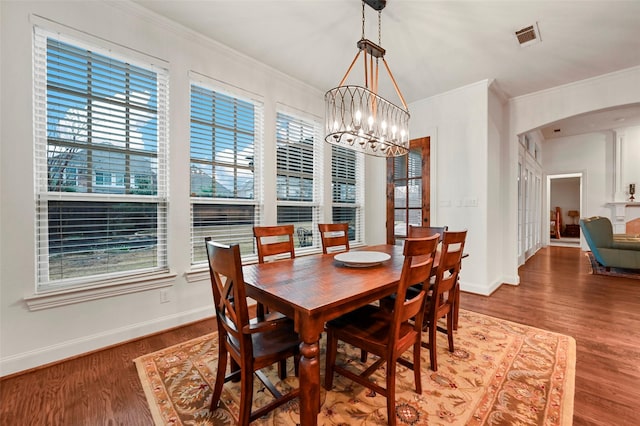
487	290
48	355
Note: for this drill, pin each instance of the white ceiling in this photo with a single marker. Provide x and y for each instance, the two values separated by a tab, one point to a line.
620	117
432	46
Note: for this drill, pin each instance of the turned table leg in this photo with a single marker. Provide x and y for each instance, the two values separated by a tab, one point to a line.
310	372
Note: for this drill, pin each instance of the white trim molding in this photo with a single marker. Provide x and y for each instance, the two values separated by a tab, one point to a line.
55	299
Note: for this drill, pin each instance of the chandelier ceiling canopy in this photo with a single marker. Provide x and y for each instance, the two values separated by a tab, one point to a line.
356	116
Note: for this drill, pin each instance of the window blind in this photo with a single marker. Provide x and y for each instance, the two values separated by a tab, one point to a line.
298	176
101	163
225	148
347	196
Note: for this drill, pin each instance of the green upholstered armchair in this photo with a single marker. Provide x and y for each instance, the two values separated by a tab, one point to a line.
610	250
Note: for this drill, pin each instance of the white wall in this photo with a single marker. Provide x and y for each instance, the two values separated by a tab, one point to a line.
538	109
630	157
497	170
29	339
458	124
594	155
376	201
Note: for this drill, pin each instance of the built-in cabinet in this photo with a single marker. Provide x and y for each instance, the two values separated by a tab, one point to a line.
529	200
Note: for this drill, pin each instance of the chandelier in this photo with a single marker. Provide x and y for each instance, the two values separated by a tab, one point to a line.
357	117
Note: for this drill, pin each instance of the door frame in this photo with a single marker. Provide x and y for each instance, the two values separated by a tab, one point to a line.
579	175
425	141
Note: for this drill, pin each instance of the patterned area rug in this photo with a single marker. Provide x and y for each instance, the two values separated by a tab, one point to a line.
501	373
598	269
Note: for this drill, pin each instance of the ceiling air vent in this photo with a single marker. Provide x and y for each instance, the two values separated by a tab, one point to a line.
528	35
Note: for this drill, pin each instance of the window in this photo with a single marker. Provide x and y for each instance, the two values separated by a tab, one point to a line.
298	176
225	134
101	121
347	197
408	178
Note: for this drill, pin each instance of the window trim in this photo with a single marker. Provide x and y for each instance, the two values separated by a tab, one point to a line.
318	202
208	83
99	289
74	290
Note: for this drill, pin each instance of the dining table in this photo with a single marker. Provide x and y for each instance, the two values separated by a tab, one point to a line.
315	289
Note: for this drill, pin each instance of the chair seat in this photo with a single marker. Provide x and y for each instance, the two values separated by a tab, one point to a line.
282	340
368	328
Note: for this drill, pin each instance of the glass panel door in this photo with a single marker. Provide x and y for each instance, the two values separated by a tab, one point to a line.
408	180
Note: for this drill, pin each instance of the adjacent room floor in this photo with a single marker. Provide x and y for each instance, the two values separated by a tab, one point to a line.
565	242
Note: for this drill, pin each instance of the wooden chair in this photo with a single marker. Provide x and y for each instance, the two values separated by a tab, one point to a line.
334	235
253	345
426	231
272	241
444	292
386	334
416	231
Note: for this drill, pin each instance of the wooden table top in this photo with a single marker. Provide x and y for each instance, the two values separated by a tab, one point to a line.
311	284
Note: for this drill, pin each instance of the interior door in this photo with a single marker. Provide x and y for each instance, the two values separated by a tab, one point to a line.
408	190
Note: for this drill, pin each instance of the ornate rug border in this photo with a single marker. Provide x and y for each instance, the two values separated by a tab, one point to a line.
147	384
568	381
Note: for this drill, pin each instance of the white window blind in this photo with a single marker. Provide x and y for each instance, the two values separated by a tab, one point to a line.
225	155
298	176
101	163
347	169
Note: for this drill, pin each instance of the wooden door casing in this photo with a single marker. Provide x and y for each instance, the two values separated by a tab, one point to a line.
422	146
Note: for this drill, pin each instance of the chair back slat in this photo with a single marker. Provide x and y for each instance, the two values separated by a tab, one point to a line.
419	254
448	270
274	240
334	235
227	282
416	231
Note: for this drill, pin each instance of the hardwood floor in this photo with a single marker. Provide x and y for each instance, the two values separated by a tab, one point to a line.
556	293
602	313
101	388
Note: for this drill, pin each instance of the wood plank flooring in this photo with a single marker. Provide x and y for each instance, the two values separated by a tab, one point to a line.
602	313
556	293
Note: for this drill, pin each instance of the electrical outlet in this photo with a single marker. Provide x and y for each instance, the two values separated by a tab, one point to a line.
164	295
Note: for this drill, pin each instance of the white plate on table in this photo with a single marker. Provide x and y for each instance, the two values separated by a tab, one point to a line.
362	259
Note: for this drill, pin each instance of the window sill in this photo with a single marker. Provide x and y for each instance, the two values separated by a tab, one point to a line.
54	299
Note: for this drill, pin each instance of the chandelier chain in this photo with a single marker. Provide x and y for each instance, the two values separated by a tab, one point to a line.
362	37
379	28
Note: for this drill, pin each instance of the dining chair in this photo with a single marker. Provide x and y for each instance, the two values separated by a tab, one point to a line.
273	241
386	334
334	235
441	301
416	231
252	344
